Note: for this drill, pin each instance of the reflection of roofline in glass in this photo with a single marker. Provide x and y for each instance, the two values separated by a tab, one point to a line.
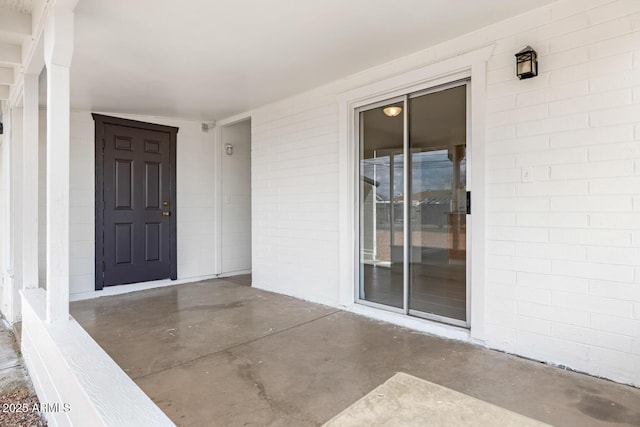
370	181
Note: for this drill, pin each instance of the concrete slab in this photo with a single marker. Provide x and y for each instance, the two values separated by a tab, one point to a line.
409	401
12	375
240	279
150	331
8	355
274	360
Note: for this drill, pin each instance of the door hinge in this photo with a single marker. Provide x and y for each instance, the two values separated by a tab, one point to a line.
468	202
103	267
104	143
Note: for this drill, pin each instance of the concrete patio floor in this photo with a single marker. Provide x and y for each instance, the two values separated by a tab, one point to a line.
219	352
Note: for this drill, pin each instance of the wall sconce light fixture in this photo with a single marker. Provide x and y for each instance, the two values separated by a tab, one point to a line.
229	149
526	63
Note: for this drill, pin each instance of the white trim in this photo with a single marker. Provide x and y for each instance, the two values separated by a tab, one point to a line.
468	224
30	173
478	224
234	119
468	65
407	176
15	99
33	51
233	273
135	287
219	187
431	75
10	301
14	235
217	191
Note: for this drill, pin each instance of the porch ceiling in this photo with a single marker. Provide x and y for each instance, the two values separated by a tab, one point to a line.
15	30
211	60
22	6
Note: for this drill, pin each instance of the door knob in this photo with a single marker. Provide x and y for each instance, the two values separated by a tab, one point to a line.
166	213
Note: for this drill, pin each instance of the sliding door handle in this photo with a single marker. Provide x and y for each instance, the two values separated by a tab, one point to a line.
468	202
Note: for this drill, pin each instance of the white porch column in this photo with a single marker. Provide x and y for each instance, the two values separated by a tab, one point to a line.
58	50
30	182
10	302
5	203
12	278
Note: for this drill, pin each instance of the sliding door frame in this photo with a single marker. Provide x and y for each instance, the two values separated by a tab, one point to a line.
358	218
468	185
389	81
406	224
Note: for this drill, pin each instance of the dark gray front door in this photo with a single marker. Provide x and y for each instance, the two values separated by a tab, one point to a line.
135	201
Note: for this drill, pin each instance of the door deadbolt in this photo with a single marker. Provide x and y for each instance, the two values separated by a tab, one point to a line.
165	203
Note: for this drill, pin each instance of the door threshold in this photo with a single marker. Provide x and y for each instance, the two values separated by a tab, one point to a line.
416	323
135	287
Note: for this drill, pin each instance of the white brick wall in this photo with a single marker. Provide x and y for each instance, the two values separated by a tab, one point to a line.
295	201
588	82
563	259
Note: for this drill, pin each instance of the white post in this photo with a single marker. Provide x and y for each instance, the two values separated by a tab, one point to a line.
14	187
6	275
30	182
58	49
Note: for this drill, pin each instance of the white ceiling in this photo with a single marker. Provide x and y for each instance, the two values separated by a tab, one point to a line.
22	6
207	60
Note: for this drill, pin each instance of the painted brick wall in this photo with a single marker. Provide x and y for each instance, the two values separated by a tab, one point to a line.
563	186
563	180
82	201
295	200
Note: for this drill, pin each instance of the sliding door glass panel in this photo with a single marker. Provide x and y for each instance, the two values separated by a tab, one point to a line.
437	259
381	197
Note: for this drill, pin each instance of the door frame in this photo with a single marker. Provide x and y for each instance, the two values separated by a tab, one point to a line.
219	191
217	167
470	65
406	149
100	122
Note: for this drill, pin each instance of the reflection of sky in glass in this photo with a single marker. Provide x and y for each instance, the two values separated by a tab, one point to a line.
432	170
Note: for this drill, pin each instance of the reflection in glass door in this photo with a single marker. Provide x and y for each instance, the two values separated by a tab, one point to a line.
412	239
381	207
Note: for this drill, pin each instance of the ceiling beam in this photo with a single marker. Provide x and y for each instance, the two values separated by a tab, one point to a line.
4	92
10	54
6	76
15	22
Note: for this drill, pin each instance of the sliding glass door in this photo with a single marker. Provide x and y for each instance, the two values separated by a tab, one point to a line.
382	206
412	193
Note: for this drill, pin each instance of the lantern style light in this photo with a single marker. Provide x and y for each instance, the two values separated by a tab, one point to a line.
526	63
